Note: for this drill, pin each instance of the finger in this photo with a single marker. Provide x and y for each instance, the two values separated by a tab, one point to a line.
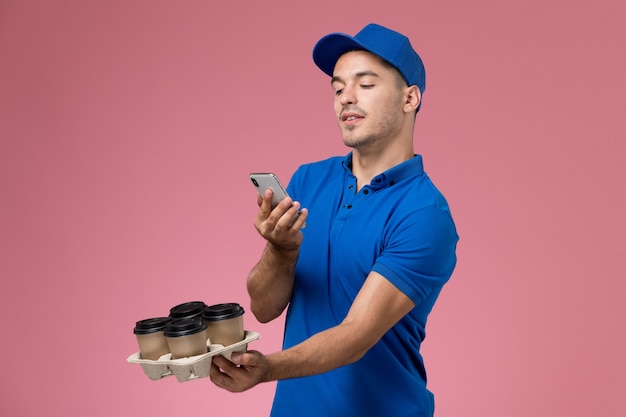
224	364
247	359
265	208
266	201
289	214
300	222
219	378
278	213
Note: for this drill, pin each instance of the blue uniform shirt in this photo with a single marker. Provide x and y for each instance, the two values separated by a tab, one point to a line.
399	226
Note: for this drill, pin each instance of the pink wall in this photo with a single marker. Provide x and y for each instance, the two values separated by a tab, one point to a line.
128	128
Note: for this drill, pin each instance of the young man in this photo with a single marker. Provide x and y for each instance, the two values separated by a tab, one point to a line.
379	244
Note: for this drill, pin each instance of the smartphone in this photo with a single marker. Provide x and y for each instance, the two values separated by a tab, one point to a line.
264	180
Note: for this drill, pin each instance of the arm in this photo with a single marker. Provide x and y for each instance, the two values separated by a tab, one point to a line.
270	283
378	306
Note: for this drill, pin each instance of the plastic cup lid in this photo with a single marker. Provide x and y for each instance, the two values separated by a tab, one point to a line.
185	310
152	325
184	327
222	311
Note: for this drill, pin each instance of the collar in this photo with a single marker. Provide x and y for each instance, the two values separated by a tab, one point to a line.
393	175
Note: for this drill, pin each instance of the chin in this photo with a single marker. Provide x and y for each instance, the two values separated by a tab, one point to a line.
350	139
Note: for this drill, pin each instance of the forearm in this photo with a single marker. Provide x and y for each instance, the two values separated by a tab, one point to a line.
378	306
323	352
270	283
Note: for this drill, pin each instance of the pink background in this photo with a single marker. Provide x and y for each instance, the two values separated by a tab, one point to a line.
128	128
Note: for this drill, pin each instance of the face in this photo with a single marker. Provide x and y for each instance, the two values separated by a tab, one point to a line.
369	100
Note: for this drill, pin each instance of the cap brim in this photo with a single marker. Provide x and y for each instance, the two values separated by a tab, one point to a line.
328	50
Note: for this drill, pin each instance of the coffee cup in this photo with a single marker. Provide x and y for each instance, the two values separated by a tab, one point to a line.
186	337
151	338
224	323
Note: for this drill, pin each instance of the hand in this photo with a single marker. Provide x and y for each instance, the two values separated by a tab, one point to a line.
244	372
278	226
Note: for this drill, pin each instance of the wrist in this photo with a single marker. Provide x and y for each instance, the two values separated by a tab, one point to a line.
283	253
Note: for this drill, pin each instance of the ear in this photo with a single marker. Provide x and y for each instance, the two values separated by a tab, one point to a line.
413	99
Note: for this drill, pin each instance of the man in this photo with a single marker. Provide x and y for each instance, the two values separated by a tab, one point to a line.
360	280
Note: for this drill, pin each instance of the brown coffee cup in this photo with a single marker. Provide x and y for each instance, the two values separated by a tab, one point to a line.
151	338
186	337
224	323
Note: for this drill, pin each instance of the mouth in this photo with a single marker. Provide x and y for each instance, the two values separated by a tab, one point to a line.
351	117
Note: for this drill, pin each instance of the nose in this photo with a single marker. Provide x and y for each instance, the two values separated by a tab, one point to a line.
347	96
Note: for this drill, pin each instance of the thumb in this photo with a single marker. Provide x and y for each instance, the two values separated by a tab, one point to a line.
236	358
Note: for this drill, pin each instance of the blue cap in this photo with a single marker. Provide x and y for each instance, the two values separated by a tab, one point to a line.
389	45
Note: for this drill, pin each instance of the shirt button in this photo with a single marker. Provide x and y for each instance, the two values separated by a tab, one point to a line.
365	191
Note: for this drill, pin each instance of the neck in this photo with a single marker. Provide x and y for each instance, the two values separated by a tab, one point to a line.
367	163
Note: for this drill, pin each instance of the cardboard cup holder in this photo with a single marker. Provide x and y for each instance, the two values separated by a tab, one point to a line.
192	367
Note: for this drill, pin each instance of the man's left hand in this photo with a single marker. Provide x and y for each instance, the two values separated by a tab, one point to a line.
242	372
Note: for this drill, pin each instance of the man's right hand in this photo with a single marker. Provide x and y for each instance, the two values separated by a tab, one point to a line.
277	225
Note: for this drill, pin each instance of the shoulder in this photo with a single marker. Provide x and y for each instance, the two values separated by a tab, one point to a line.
329	164
419	210
317	172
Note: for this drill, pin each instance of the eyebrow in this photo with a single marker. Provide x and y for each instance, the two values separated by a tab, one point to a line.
359	74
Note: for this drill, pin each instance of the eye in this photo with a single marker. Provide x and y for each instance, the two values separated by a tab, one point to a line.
338	92
367	86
